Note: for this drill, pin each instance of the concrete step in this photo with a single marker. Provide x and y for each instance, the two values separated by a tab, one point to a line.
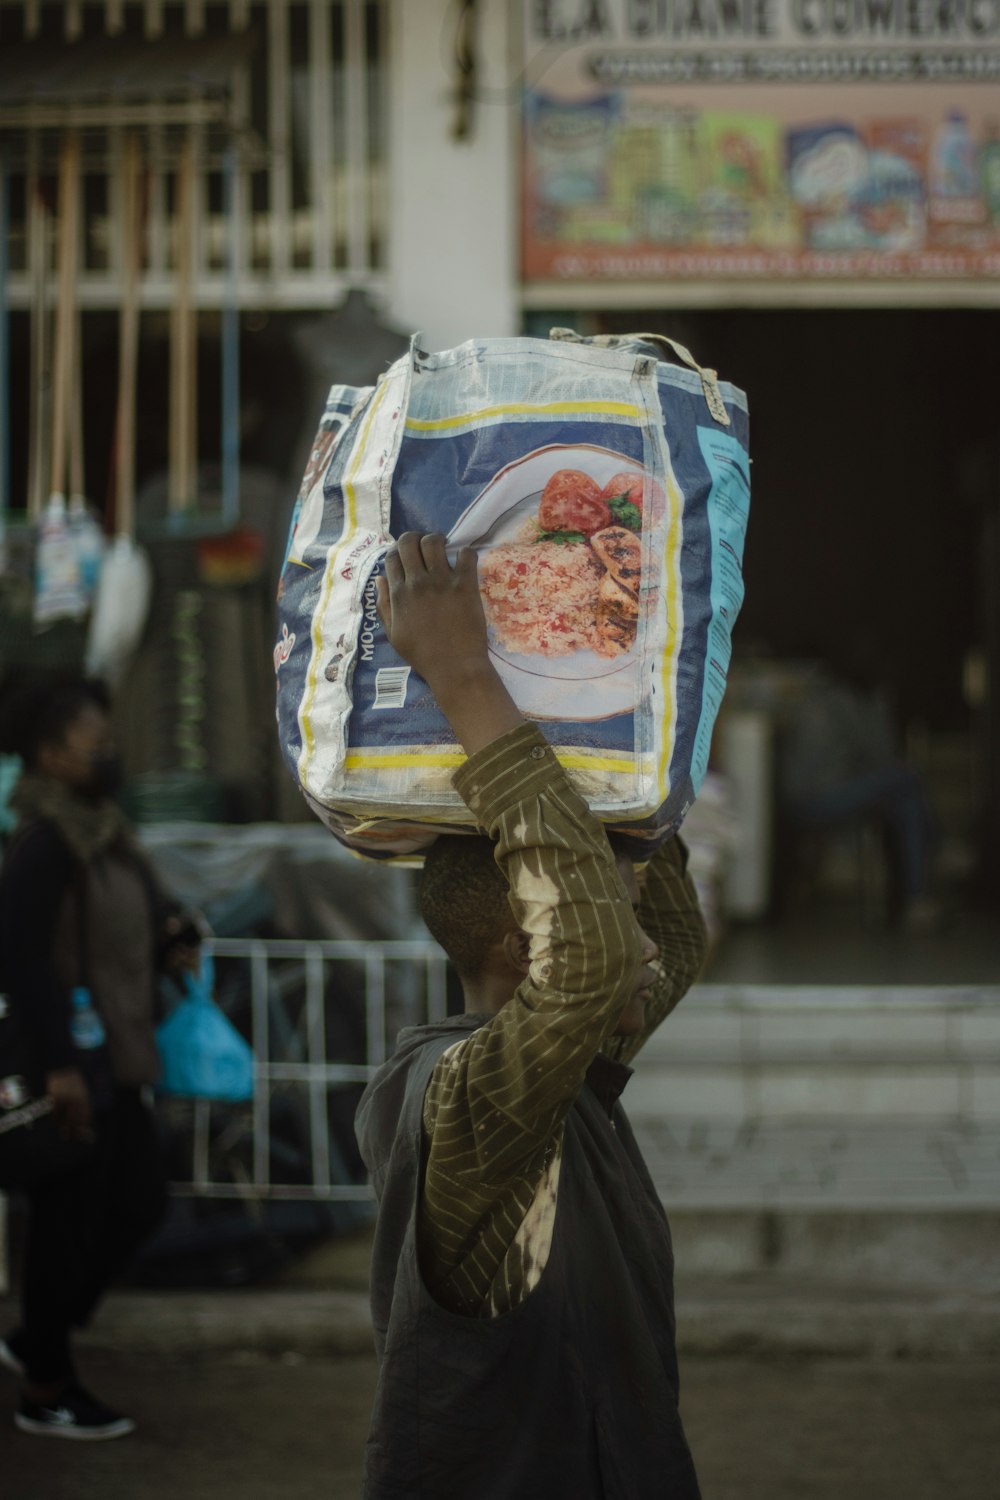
762	1313
759	1052
851	1200
823	1165
891	1247
774	1315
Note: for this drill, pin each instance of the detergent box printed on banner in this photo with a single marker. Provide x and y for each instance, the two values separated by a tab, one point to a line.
605	492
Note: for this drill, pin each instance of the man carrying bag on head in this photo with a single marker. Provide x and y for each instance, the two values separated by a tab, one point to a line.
522	1274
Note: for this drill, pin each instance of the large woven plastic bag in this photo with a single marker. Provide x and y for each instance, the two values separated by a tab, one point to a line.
606	492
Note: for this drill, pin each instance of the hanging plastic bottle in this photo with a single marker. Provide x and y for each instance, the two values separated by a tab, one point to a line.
88	539
58	591
86	1028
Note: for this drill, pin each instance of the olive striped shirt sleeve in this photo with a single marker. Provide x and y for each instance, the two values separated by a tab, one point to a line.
670	914
497	1099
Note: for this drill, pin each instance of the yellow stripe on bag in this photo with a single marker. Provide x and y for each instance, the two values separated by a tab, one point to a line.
673	641
351	521
551	408
624	764
377	760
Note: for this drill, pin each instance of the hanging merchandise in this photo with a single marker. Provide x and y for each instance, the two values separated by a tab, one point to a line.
606	493
234	554
125	587
189	655
59	593
85	527
120	609
88	543
182	458
187	626
230	552
231	349
184	629
38	260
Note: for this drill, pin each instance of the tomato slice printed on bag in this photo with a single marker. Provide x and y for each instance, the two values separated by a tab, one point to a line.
571	501
624	487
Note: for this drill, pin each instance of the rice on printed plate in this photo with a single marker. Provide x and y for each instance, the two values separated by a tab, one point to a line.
541	597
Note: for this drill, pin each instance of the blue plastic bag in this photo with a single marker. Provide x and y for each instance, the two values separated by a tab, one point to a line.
202	1054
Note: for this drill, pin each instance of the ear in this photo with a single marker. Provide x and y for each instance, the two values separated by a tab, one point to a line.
517	950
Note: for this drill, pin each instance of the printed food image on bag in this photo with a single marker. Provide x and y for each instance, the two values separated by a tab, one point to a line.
569	577
605	492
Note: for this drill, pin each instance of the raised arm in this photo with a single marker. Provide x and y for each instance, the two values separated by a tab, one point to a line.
510	1083
526	1067
495	1105
669	912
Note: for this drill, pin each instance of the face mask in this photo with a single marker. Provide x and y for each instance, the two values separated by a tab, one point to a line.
106	774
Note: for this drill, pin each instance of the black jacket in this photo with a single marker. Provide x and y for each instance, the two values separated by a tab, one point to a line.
573	1393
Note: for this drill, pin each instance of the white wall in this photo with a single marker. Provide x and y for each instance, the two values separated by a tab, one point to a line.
452	218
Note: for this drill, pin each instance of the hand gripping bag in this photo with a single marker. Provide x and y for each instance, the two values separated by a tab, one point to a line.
606	491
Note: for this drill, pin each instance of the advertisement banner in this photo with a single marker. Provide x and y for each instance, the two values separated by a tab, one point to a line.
761	138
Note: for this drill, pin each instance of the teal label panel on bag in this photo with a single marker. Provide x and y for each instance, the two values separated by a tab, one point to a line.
728	514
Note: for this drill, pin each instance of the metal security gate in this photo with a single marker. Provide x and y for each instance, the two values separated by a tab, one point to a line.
295	87
321	1017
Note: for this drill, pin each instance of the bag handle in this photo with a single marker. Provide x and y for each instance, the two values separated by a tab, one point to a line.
709	378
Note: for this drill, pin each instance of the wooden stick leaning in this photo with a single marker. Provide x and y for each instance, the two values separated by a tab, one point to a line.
128	341
183	430
66	332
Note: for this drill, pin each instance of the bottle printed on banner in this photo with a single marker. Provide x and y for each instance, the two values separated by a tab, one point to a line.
957	211
954	165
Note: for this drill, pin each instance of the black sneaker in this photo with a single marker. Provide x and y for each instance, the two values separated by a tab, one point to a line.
74	1414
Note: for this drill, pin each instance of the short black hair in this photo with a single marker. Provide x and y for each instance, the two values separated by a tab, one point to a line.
463	899
33	713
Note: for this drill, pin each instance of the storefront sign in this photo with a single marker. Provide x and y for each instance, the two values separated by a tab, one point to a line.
761	138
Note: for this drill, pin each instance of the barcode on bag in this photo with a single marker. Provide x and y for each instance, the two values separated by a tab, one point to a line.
390	687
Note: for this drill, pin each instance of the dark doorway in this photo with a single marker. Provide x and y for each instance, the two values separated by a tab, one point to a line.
876	488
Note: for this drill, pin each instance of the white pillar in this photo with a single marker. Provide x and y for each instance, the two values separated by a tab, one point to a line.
452	204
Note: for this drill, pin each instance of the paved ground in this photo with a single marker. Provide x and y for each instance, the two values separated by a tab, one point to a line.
794	1388
761	1429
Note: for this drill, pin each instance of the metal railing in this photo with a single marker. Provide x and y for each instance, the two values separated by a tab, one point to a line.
321	1017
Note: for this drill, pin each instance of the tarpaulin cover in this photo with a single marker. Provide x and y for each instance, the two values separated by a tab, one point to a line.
616	640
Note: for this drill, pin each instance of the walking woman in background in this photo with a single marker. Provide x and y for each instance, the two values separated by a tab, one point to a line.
84	928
